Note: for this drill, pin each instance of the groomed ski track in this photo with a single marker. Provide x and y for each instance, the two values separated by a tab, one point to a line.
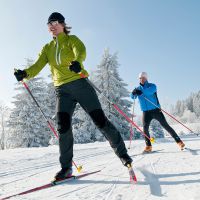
164	175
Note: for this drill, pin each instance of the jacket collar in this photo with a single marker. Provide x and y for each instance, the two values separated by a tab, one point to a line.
60	37
145	83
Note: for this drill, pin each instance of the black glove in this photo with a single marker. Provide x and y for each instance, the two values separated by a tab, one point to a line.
75	67
20	74
137	92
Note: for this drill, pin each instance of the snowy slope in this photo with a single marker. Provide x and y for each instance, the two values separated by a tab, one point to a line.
167	174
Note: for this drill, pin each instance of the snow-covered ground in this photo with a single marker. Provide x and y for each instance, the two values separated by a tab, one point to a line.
167	174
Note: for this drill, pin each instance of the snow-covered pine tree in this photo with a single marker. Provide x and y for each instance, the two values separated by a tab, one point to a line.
156	129
51	100
51	105
107	79
188	116
188	110
84	129
27	128
4	111
196	104
133	130
179	108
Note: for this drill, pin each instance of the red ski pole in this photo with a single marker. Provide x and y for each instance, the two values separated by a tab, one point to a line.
49	124
131	126
118	109
169	115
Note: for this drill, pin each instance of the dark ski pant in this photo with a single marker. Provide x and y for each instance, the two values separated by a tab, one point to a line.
68	95
158	115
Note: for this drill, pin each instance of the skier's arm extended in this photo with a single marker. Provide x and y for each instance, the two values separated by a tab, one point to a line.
34	69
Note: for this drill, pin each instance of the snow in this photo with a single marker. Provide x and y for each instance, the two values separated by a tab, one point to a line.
167	174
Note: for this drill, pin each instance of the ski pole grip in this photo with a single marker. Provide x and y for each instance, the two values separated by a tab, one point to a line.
82	75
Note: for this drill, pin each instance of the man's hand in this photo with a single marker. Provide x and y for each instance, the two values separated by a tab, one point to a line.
20	74
75	67
137	92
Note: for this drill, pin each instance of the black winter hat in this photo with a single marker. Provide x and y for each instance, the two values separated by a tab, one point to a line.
55	16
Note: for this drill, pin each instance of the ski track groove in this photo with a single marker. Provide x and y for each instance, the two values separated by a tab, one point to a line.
113	186
24	170
23	178
50	165
87	186
39	167
79	158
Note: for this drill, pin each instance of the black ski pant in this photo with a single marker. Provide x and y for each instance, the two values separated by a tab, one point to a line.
158	115
68	95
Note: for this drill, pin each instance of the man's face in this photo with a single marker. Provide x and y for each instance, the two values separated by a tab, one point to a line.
142	80
55	28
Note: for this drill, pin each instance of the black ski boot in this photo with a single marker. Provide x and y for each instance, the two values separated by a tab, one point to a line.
126	160
63	174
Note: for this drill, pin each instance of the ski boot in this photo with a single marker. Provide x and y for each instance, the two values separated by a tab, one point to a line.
64	173
181	145
126	160
148	149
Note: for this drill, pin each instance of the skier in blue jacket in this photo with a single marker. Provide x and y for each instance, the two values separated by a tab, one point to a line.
151	110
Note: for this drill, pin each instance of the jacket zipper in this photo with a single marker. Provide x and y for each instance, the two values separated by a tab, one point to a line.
57	53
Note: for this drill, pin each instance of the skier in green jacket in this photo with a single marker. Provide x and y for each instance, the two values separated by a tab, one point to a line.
65	55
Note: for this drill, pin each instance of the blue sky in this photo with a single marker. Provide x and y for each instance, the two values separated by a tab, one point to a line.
157	36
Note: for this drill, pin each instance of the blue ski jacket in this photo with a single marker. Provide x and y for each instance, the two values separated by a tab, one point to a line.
149	91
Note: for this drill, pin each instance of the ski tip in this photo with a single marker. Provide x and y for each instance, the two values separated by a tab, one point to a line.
133	179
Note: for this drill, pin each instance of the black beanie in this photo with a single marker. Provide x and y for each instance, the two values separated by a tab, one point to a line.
55	16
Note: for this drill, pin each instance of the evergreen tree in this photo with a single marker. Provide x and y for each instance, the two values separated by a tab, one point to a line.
189	102
188	110
27	128
51	106
196	104
84	129
179	108
4	111
137	120
107	79
188	116
156	129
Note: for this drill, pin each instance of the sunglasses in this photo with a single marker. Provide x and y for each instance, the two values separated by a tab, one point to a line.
53	23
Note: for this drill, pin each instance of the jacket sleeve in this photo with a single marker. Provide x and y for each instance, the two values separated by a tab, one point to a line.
151	89
133	96
34	69
78	48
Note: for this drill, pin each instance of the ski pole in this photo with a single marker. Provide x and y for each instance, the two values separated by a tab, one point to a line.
49	124
117	108
169	115
131	127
